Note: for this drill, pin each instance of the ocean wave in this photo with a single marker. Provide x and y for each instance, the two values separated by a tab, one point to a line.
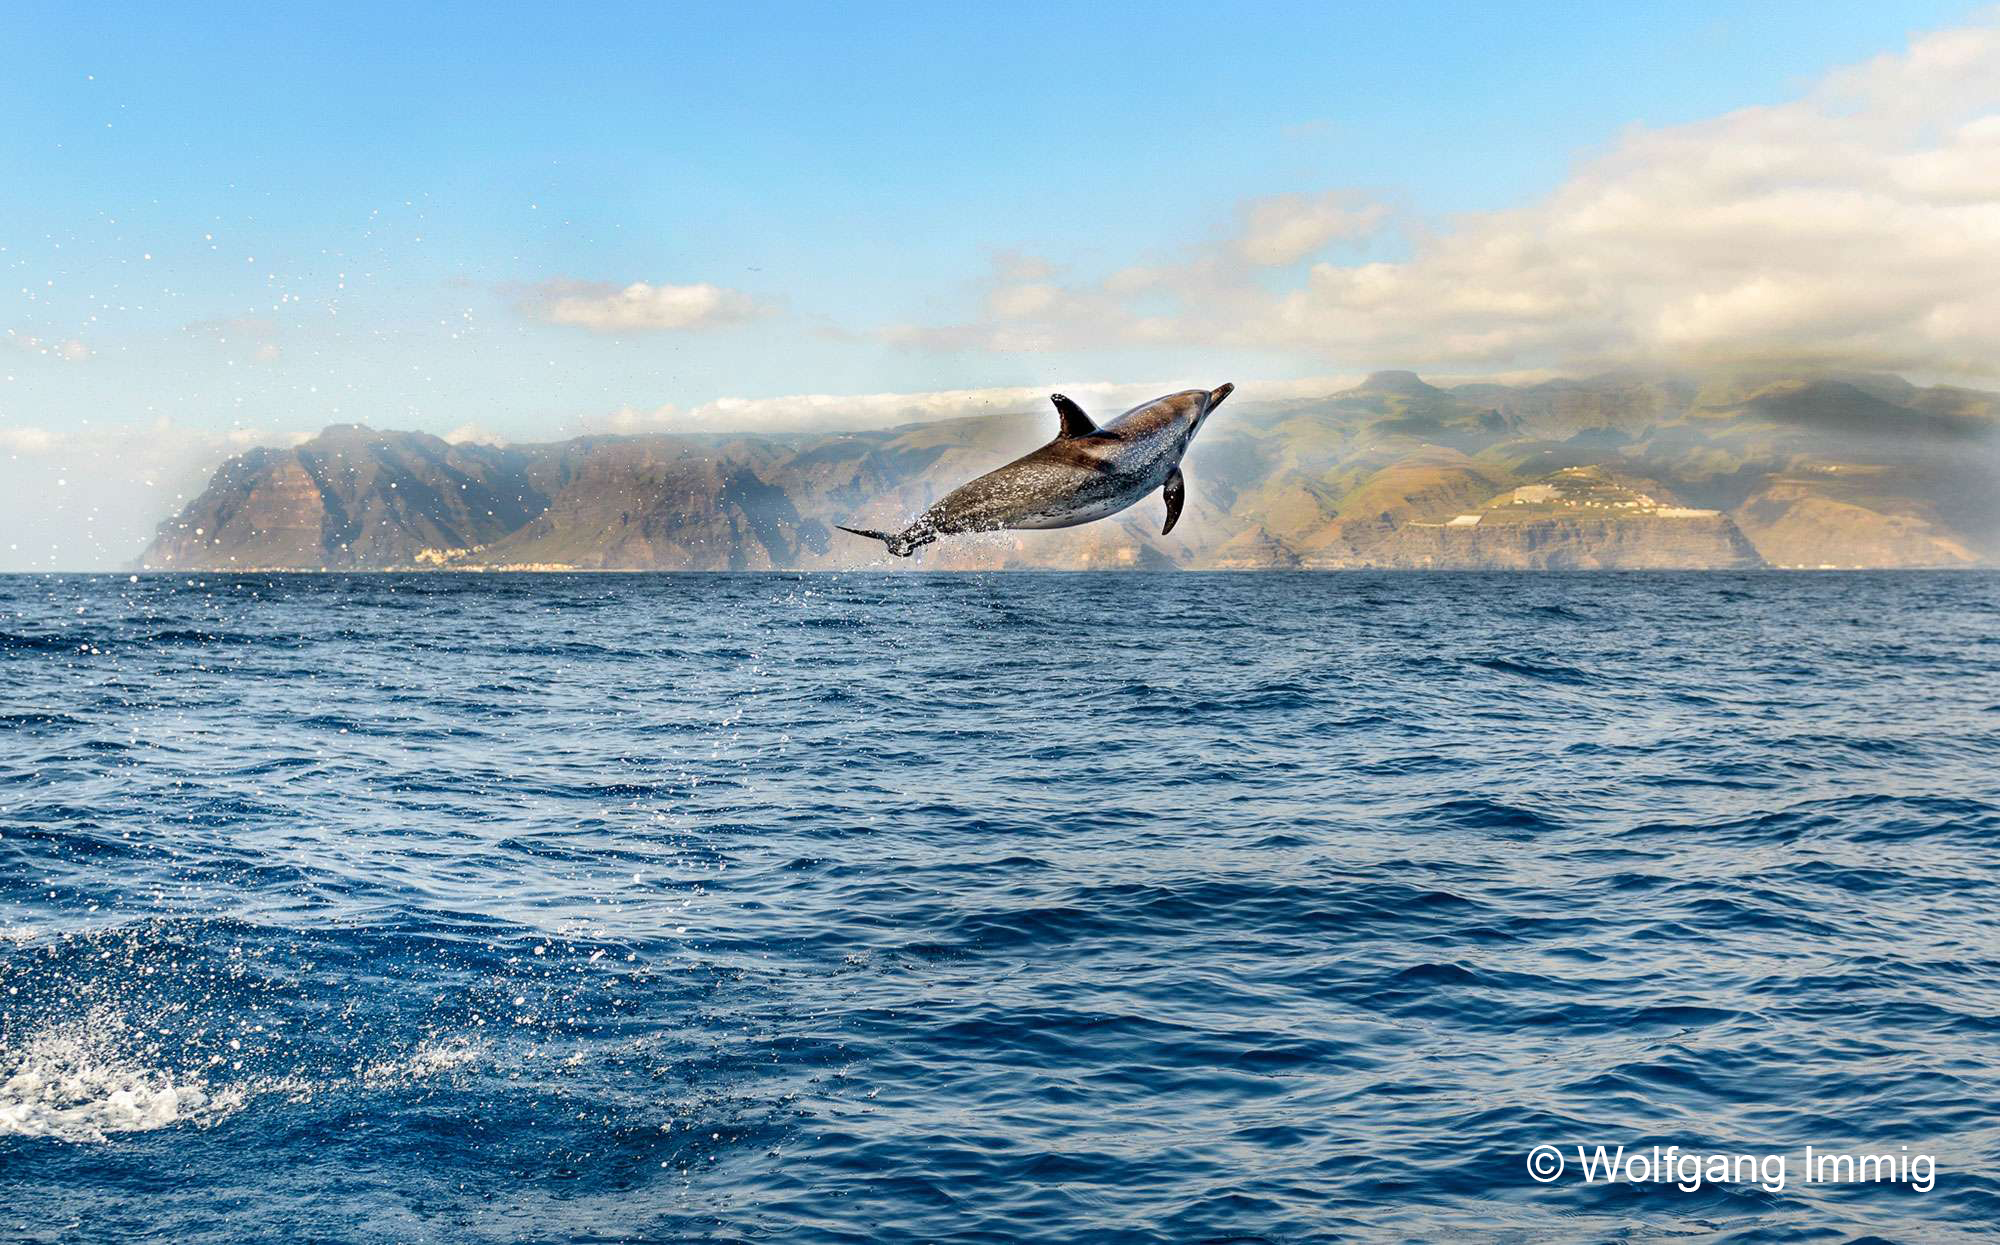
1024	907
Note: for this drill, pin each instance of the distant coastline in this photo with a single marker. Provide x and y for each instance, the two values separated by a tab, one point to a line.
145	572
1613	472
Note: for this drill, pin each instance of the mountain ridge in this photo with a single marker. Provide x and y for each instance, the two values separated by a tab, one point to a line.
1676	471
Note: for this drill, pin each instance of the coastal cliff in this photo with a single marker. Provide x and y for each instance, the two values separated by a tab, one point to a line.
1709	542
1606	473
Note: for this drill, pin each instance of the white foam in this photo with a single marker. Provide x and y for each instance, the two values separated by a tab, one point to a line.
80	1081
430	1057
90	1078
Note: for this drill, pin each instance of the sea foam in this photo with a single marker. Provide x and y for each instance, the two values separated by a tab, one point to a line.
88	1078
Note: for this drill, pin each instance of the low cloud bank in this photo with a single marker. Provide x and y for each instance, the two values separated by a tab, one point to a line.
89	496
857	412
1855	226
640	307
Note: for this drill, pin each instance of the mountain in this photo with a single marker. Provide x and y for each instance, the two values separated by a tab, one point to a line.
1622	470
1577	518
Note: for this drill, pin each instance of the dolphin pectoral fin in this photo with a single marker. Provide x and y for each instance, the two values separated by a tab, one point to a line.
1074	422
1176	493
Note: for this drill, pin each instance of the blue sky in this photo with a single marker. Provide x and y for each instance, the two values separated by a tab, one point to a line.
244	218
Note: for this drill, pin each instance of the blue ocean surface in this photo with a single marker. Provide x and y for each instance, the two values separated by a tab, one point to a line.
1178	907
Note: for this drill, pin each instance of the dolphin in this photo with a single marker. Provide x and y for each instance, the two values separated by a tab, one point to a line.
1087	473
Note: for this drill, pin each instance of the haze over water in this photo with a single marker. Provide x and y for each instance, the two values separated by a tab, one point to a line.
853	907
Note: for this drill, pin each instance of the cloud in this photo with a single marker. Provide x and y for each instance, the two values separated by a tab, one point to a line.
89	494
1281	230
858	412
69	350
26	439
474	434
1856	225
1028	309
639	307
628	420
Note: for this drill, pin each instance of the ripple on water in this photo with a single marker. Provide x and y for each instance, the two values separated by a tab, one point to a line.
990	907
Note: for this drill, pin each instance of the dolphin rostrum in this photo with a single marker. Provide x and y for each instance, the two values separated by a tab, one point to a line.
1086	473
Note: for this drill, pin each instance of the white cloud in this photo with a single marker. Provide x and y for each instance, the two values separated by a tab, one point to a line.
640	306
89	494
1280	230
1857	225
1022	300
857	412
628	419
474	434
26	439
69	350
1027	310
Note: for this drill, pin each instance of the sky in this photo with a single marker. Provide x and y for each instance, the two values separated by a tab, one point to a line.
227	226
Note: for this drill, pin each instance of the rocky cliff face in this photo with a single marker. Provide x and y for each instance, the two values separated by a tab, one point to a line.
1620	471
354	497
1802	522
1709	542
653	504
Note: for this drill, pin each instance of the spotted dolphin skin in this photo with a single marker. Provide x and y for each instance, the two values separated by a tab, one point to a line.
1087	473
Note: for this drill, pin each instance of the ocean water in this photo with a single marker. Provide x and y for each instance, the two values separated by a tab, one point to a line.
993	907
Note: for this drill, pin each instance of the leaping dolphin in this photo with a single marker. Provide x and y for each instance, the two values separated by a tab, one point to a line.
1087	473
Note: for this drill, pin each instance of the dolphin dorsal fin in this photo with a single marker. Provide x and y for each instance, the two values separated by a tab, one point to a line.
1074	422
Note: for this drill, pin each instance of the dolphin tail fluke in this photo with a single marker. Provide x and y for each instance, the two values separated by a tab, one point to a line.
894	540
